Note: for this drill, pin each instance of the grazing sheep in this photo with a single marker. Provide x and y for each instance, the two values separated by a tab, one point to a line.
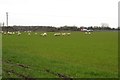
35	33
57	34
29	34
85	32
68	34
89	32
63	34
44	34
18	33
10	33
13	32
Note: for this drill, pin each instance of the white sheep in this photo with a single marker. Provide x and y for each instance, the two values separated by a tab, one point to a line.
89	32
68	34
44	34
63	34
13	32
85	32
29	34
56	34
18	33
10	33
35	33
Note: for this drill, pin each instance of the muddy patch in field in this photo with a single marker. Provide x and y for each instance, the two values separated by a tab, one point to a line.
22	65
9	72
17	64
60	75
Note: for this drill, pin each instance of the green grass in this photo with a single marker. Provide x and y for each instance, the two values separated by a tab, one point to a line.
0	55
77	55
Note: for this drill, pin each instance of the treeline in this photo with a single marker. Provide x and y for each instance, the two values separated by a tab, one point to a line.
55	29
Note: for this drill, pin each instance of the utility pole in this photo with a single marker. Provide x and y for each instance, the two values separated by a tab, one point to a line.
3	24
7	19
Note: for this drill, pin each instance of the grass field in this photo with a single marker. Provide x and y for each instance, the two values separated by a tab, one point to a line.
0	56
74	56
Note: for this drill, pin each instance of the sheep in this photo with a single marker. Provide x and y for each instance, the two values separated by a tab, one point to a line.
63	34
85	32
68	34
10	33
29	34
44	34
89	32
18	33
56	34
35	33
13	32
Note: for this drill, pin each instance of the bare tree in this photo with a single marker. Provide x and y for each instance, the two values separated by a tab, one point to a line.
104	25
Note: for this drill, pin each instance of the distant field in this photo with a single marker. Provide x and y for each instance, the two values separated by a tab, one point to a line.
74	56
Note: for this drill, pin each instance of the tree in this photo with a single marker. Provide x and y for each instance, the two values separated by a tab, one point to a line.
104	25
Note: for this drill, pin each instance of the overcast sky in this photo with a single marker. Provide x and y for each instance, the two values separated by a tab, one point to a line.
60	12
